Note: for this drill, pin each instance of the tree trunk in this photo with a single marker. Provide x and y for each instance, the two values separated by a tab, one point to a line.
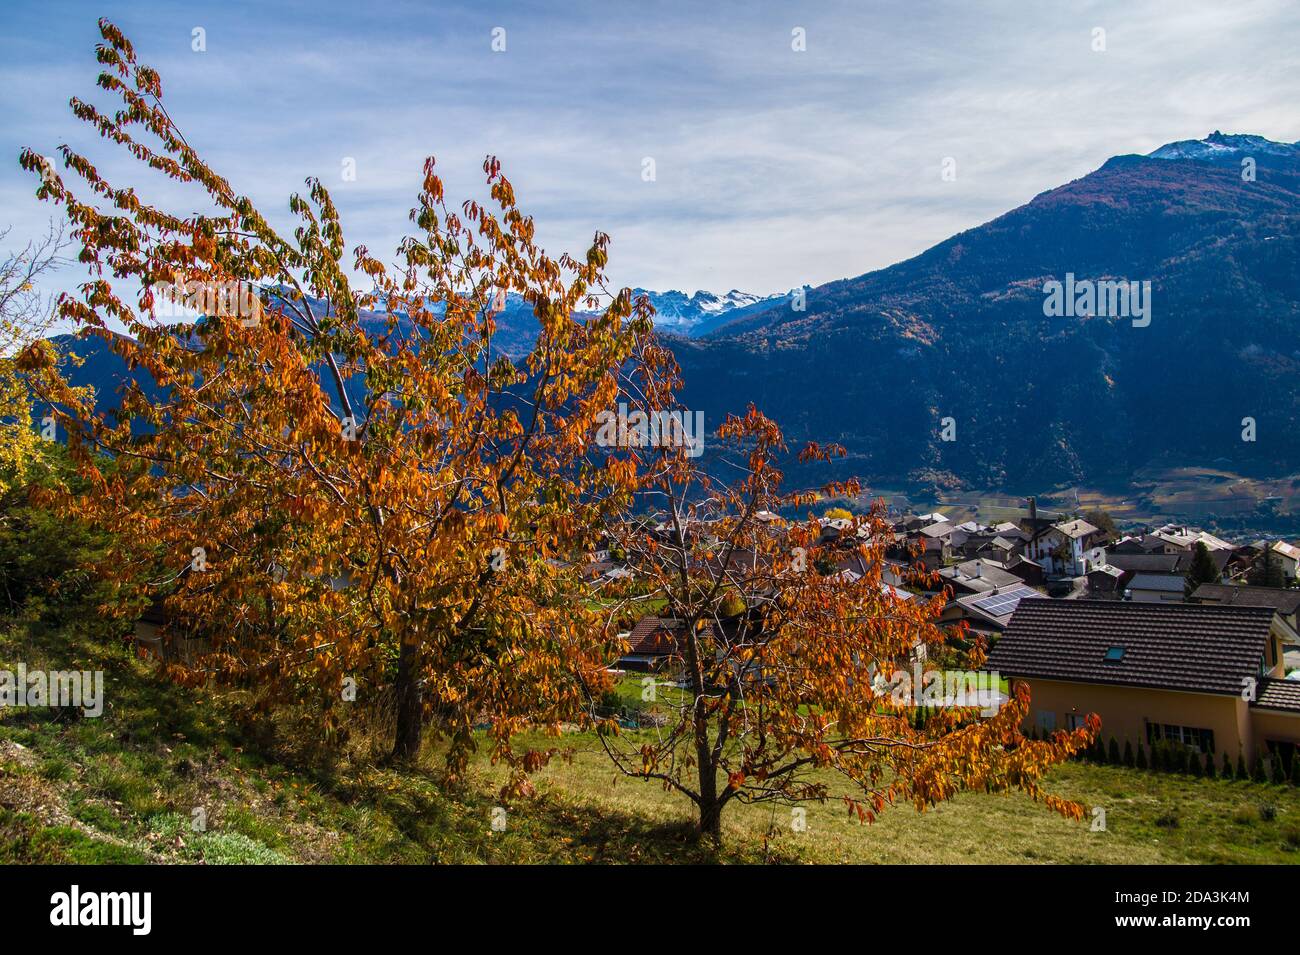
711	821
710	804
410	706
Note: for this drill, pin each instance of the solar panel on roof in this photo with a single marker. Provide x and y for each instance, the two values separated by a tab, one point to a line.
999	605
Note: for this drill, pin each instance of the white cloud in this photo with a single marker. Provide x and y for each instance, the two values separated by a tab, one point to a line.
775	168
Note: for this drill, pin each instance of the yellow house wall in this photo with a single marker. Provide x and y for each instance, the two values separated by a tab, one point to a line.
1276	726
1125	710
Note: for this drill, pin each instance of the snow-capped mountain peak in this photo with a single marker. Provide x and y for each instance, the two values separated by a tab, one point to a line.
1219	145
678	311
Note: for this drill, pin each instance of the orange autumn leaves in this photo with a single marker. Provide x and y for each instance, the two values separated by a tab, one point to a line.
784	626
377	496
381	498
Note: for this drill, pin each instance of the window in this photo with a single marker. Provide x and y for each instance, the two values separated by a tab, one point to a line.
1193	737
1046	720
1073	721
1114	654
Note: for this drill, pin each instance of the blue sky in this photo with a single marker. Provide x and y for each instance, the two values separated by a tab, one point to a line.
774	168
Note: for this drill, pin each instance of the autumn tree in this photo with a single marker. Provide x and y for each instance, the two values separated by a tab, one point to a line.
340	483
1101	519
786	683
26	315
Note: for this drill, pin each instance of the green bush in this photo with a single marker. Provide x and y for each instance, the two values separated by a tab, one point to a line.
1141	761
41	554
1112	752
1128	753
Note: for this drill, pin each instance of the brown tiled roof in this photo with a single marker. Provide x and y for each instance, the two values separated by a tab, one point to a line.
1285	601
1201	648
1278	695
657	636
654	635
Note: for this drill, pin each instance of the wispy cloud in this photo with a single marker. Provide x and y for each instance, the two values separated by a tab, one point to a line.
774	168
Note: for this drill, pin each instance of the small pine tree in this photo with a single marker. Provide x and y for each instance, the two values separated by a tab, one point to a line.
1128	753
1241	768
1295	768
1227	768
1183	758
1258	775
1194	764
1141	761
1112	752
1279	774
1202	570
1209	765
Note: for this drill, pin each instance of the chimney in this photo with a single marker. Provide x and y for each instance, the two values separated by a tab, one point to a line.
979	570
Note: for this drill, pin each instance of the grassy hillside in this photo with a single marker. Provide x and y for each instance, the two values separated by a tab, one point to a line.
124	788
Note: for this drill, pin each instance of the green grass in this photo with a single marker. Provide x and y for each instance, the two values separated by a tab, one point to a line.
979	827
25	839
124	789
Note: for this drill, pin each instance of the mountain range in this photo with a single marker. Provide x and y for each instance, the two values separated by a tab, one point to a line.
879	362
945	370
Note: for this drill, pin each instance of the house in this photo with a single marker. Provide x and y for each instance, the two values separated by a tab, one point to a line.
1241	563
999	548
976	577
967	531
935	541
653	645
1105	582
911	523
1185	539
1011	531
1139	545
1156	588
1202	676
855	567
606	570
1287	556
987	612
1028	571
1284	601
1062	549
1140	562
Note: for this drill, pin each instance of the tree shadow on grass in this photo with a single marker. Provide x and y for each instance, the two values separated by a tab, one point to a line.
601	835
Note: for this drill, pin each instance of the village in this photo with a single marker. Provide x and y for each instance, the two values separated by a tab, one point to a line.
1177	639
